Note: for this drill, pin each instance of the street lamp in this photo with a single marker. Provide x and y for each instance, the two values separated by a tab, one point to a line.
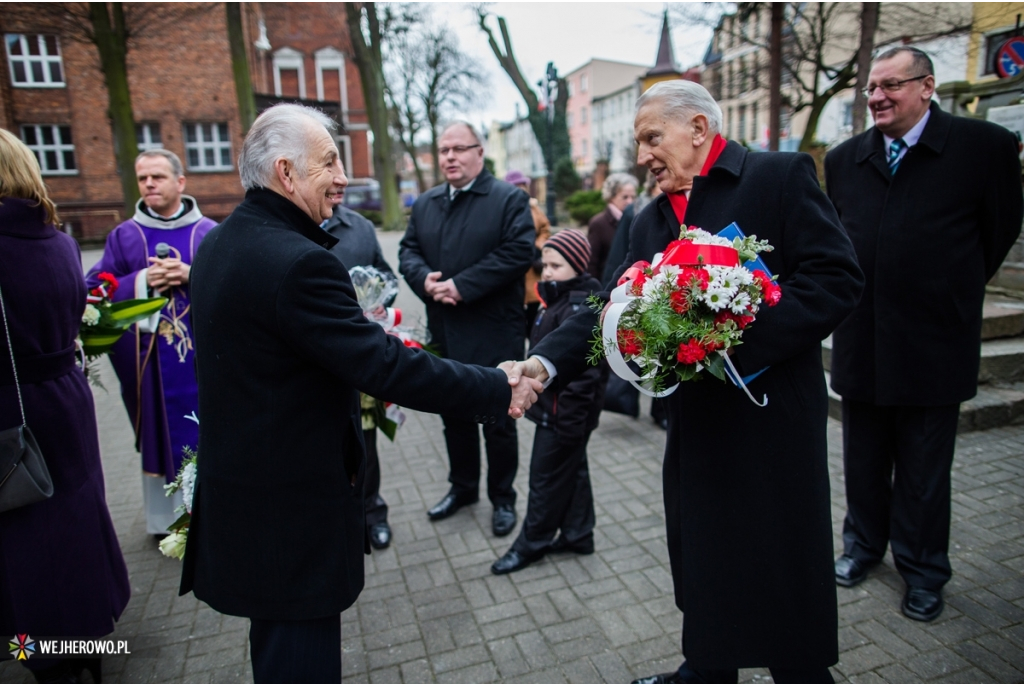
549	88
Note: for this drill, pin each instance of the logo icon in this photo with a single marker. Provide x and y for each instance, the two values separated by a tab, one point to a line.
22	647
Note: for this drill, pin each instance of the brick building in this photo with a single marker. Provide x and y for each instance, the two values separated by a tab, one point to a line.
52	94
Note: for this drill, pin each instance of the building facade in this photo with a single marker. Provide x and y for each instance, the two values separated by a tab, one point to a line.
53	96
596	79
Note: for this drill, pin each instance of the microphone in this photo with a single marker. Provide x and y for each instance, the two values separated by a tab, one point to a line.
162	250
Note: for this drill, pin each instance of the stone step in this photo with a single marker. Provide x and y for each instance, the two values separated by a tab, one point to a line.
992	407
1010	275
1002	317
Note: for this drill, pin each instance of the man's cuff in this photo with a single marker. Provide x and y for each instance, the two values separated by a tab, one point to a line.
549	367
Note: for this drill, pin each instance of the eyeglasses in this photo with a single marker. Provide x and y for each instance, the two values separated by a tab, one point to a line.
458	149
891	86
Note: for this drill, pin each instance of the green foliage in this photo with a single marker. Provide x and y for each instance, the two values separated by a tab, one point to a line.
567	181
489	165
584	205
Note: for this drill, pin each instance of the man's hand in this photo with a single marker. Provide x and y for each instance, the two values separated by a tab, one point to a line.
531	368
524	391
166	273
445	292
430	282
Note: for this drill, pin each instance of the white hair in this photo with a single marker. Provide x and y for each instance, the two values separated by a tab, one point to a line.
282	131
462	122
684	99
171	158
616	182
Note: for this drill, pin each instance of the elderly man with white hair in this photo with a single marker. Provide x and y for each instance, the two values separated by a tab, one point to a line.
282	349
746	488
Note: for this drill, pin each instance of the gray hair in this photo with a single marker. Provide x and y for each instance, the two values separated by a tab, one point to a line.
176	168
282	131
462	122
684	99
616	182
920	61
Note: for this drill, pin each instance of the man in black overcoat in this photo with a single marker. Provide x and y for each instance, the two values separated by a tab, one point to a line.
358	246
747	499
282	350
932	203
468	244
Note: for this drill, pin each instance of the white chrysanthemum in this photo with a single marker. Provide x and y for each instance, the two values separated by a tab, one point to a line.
716	298
669	272
742	276
91	316
188	484
739	303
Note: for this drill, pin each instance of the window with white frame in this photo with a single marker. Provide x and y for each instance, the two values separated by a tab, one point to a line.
289	73
34	60
208	146
330	77
52	146
147	135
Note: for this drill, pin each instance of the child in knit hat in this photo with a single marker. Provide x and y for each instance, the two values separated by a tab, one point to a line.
560	500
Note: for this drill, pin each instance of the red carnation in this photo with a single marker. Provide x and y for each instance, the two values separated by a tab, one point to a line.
690	274
637	288
96	292
679	302
742	320
111	281
631	342
413	344
770	290
690	352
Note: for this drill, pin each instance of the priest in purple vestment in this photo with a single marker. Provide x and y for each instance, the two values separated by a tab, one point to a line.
151	254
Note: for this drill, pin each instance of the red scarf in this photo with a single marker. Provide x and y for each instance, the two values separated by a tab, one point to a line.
679	200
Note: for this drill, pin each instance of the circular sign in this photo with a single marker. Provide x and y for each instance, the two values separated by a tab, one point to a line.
1010	57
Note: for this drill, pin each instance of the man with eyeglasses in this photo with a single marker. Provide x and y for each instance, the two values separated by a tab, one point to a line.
933	204
468	244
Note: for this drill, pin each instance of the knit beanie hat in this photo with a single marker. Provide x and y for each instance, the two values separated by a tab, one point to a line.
572	245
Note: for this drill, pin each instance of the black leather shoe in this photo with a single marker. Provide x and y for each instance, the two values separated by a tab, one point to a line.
448	505
503	520
850	571
380	535
687	674
511	562
672	677
922	604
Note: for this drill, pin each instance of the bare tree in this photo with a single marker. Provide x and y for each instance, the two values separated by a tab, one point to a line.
240	66
367	49
560	147
822	45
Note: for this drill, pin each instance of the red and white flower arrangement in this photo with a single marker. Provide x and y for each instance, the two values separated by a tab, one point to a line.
678	317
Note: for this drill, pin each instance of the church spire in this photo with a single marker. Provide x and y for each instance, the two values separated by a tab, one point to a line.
666	63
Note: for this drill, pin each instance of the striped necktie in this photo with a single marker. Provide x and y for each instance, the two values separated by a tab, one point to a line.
895	148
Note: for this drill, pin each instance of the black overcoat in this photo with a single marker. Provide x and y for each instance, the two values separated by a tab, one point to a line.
484	241
928	239
747	498
357	240
281	349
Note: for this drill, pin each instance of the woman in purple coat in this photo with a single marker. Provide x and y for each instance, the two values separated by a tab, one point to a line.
61	568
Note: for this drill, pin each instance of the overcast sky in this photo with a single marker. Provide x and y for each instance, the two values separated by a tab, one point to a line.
569	34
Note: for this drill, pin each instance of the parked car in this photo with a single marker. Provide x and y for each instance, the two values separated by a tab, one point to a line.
362	197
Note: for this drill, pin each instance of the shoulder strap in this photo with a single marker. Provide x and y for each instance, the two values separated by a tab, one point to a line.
14	367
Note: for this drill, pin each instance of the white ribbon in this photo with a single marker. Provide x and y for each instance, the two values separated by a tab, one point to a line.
620	300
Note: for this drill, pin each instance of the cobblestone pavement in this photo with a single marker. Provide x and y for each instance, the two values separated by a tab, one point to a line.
432	612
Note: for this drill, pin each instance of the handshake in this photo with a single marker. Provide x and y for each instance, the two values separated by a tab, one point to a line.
527	381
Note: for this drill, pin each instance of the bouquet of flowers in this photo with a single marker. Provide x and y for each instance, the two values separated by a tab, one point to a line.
373	290
678	317
174	544
104	322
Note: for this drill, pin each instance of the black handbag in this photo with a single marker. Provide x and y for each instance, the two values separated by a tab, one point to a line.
621	397
24	478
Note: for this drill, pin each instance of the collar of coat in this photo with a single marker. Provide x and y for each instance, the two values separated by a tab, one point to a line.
933	137
481	186
730	163
343	216
288	215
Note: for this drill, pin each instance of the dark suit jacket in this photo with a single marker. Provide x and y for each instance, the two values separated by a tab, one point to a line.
484	240
281	349
927	239
600	234
743	482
